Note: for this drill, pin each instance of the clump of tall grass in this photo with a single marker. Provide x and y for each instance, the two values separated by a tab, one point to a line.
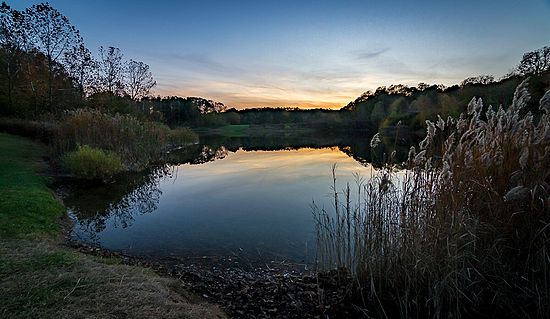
137	143
464	231
92	163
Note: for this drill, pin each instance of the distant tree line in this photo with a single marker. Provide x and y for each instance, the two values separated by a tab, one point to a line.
385	107
45	68
412	106
176	111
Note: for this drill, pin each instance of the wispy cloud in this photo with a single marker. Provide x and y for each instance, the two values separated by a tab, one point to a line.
371	54
329	82
196	62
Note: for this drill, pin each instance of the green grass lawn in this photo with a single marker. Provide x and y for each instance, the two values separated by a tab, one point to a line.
28	207
240	130
42	278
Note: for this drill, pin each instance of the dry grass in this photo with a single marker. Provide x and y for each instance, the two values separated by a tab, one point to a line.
464	232
40	279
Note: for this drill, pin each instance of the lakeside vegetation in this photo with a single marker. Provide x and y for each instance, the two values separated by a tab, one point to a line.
43	278
55	90
464	232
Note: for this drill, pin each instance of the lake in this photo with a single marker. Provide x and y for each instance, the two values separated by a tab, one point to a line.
217	201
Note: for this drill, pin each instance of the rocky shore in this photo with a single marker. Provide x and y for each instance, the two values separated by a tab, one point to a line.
276	290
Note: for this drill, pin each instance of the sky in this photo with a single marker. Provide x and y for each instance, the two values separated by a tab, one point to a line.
309	53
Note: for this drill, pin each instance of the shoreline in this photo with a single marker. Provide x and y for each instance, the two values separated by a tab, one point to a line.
242	288
268	292
42	277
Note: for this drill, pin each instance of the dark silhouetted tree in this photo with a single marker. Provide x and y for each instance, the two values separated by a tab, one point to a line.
110	77
480	79
81	67
422	86
535	62
13	44
139	80
206	106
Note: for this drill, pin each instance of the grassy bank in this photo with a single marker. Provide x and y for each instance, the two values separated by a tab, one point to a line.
27	206
41	278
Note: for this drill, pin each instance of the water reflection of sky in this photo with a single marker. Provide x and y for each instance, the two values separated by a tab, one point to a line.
256	203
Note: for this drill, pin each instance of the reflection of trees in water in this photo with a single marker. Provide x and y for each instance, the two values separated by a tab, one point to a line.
363	154
197	154
357	147
137	194
208	154
118	203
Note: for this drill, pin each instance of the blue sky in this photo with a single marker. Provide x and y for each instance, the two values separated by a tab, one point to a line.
309	53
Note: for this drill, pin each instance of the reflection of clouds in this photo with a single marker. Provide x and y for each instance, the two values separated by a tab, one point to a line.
274	165
220	189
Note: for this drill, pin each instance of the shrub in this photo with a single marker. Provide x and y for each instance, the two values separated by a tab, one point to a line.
93	163
465	231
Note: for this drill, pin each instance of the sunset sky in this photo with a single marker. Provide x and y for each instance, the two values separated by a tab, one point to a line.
309	53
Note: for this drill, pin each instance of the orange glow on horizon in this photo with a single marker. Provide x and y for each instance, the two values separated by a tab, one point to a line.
300	105
244	102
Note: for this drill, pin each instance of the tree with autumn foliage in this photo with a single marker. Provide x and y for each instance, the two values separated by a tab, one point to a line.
51	33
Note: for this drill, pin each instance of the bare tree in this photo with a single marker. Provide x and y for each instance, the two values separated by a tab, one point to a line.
52	34
81	66
139	80
110	71
535	62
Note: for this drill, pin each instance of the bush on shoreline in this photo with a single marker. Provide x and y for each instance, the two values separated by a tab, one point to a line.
464	232
92	163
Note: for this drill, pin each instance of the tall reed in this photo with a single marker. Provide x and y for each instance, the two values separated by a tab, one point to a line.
464	231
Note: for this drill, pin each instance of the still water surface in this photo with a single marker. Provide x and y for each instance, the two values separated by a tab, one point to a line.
255	204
